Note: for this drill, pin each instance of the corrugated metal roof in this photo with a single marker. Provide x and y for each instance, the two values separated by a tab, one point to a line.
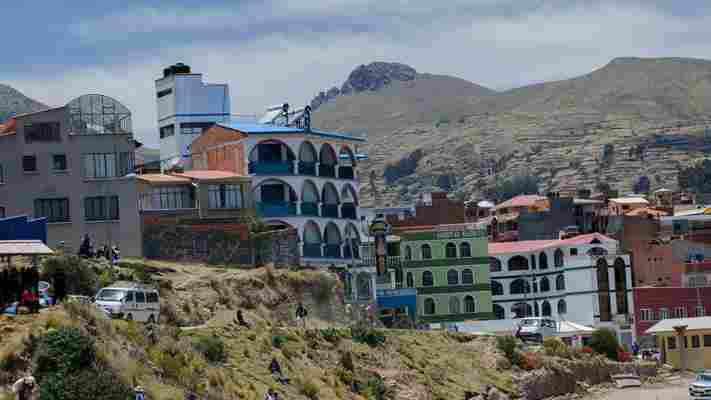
23	248
162	178
206	175
692	324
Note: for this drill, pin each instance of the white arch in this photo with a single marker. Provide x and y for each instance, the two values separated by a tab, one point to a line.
346	156
331	234
329	194
257	193
348	194
307	152
327	155
287	151
310	192
312	233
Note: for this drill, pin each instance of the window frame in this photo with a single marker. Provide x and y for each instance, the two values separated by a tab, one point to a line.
52	205
29	158
166	131
54	162
703	311
544	288
430	281
467	304
2	174
140	294
425	303
462	246
450	250
707	340
560	282
671	342
454	306
426	255
646	314
218	198
695	342
680	315
663	313
109	206
467	272
451	281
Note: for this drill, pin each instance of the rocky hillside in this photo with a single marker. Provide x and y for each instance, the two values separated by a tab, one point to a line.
12	102
631	118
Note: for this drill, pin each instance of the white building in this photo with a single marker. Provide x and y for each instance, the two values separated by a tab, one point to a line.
186	106
584	279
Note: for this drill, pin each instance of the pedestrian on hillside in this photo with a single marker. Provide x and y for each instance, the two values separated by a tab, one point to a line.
140	393
270	394
301	314
277	374
240	320
191	396
26	389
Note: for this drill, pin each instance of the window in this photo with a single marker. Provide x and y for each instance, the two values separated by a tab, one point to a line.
101	208
558	258
140	297
454	305
152	297
533	261
129	297
168	198
645	314
2	212
42	132
467	277
59	162
225	196
29	163
700	311
573	251
499	312
469	306
560	282
707	340
427	279
127	163
695	341
663	313
408	253
518	263
465	250
671	343
545	285
426	252
410	280
2	174
194	128
452	277
519	286
450	250
55	210
562	307
164	92
542	261
100	165
167	131
497	289
429	307
494	264
679	312
546	309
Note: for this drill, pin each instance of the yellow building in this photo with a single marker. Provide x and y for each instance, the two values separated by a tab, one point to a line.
695	342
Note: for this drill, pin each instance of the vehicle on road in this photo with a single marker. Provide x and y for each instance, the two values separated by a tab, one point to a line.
536	328
131	301
700	388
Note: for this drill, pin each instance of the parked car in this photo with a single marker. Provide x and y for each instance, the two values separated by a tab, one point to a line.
700	388
536	328
131	301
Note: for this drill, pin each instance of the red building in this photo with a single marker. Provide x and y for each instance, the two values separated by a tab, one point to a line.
440	211
653	304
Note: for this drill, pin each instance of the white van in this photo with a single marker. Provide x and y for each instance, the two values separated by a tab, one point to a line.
131	301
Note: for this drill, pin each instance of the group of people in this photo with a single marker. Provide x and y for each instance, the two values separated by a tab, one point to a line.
86	250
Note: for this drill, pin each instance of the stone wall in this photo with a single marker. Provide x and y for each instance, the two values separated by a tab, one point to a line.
562	376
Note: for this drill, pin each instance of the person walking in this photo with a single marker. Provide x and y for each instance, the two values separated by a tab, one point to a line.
26	389
301	314
270	394
140	393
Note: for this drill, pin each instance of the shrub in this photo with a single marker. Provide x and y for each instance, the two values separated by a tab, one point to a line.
347	361
64	350
377	389
345	376
528	361
80	278
555	347
310	389
604	341
331	335
507	345
212	348
367	335
279	340
84	385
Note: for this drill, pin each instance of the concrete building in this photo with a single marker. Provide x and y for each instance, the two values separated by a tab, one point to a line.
685	343
301	178
186	107
69	165
624	205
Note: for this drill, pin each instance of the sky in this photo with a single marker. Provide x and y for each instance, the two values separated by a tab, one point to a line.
272	51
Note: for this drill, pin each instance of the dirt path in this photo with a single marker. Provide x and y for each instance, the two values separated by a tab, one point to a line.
678	390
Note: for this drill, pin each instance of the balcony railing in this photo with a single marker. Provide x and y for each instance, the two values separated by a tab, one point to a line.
272	168
271	210
307	168
348	210
346	173
309	209
347	253
390	261
312	250
332	251
327	170
329	210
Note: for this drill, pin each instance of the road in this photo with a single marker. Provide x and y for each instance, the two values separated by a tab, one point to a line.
674	391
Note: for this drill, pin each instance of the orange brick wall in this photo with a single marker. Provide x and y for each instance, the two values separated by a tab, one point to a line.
210	152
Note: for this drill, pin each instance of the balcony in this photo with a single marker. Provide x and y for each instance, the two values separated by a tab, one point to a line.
346	173
390	261
348	210
348	253
272	168
332	251
329	210
272	210
327	170
307	168
310	209
312	250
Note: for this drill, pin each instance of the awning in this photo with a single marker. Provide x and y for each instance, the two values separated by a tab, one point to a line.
24	248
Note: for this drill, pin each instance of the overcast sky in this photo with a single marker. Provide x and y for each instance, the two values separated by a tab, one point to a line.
270	51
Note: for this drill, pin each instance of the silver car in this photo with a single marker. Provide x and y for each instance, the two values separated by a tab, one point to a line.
536	329
700	389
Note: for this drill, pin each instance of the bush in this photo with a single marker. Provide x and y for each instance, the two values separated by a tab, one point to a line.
278	341
554	347
65	351
507	345
310	390
80	278
376	389
212	348
331	335
347	361
367	335
604	341
84	385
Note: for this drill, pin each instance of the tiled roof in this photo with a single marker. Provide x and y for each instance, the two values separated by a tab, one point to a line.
524	200
646	211
206	175
692	324
630	200
23	247
525	246
162	178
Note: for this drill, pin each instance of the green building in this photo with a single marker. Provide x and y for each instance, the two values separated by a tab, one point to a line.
448	265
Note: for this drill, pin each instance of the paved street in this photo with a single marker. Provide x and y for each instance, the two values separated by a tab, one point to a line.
675	391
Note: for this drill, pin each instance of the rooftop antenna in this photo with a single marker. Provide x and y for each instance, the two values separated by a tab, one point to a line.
307	118
285	111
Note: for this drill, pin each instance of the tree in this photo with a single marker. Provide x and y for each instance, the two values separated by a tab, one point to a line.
522	184
604	341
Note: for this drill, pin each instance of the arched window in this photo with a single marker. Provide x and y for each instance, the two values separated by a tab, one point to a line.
410	280
469	306
521	310
621	286
562	307
429	307
465	250
558	258
520	286
603	287
427	279
545	285
497	289
560	282
452	277
494	264
408	253
546	309
454	305
597	251
426	252
536	309
467	277
450	250
542	261
499	312
533	261
518	263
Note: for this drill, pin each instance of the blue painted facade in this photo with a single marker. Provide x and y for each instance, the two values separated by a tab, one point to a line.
399	298
23	228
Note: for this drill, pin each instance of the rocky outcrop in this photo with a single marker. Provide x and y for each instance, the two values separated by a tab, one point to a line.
371	77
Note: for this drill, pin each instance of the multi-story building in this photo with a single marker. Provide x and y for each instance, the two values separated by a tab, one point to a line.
302	178
69	165
584	279
186	107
